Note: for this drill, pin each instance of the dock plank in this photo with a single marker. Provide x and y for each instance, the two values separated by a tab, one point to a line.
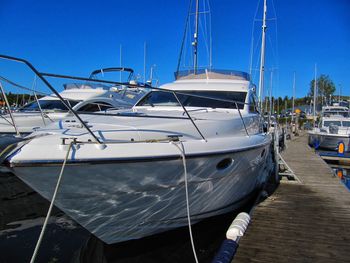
301	222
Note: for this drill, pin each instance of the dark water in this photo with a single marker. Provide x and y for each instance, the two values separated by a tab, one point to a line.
22	213
343	173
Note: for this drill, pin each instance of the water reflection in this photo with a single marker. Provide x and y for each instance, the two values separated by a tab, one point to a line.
343	173
22	214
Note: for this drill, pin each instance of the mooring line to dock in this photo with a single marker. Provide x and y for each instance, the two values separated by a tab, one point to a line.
51	206
182	153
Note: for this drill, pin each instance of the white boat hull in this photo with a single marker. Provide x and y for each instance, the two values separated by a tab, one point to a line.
123	200
329	141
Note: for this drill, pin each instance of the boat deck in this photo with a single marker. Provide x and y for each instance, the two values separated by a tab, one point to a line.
301	222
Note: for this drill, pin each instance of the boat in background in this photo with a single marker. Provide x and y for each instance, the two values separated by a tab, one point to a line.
82	97
334	128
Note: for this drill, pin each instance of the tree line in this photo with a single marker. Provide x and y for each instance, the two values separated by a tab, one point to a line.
324	96
16	99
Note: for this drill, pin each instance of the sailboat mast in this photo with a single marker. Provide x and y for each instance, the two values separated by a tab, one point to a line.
120	62
271	106
144	61
195	42
262	57
293	97
315	97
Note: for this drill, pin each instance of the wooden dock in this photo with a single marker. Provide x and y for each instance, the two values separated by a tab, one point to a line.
301	222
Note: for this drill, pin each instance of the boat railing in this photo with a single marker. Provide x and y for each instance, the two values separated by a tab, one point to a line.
42	76
206	73
43	79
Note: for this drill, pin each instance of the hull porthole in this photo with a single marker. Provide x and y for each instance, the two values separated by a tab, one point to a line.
223	164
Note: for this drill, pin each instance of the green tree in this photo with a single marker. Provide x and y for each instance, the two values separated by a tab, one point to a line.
325	86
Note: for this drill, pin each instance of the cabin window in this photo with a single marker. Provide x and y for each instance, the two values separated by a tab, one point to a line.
346	123
55	105
95	106
207	99
329	123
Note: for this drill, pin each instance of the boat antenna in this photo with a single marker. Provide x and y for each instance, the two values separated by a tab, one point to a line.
315	97
262	57
195	42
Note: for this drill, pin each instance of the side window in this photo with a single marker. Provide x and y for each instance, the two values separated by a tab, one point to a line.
96	106
159	98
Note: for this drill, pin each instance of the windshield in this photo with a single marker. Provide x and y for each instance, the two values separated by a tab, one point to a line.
163	98
328	123
55	105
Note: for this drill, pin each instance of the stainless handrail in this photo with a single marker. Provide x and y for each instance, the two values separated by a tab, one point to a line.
54	91
37	101
239	111
9	108
188	115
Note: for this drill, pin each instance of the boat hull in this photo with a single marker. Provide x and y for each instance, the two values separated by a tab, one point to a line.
121	200
329	141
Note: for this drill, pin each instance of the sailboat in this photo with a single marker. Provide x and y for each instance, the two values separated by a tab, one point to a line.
193	148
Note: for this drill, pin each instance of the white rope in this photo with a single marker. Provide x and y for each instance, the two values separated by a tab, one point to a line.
182	153
50	208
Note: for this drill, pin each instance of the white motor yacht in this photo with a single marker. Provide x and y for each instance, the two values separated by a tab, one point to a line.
130	181
333	129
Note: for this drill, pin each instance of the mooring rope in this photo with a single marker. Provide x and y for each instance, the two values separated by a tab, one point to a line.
51	206
182	153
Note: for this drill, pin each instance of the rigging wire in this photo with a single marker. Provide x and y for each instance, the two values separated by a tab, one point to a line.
277	49
210	38
273	49
206	29
257	61
205	36
252	39
184	36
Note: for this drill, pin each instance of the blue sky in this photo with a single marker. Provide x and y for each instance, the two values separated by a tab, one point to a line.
75	37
